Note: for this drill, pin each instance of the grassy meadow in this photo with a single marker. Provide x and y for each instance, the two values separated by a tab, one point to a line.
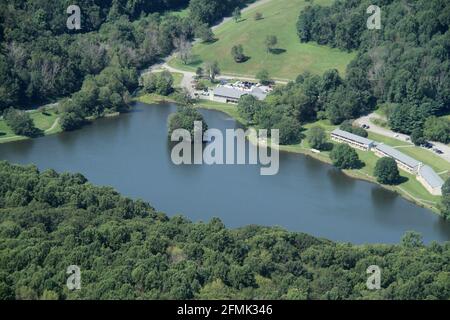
289	59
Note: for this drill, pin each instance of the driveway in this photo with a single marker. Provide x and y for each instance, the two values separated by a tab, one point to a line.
366	120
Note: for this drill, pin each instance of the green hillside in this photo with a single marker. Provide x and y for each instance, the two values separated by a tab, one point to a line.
292	57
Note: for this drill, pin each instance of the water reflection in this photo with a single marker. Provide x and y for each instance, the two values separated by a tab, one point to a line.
132	154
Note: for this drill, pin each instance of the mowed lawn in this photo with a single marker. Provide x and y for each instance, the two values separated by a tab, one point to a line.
292	57
41	121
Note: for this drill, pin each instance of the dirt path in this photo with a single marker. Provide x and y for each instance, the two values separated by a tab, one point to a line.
55	123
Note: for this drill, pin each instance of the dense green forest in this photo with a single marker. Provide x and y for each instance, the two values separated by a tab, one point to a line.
127	250
405	64
41	60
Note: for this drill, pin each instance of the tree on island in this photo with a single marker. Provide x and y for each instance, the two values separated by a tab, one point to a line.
345	157
237	14
237	52
184	118
386	171
317	138
270	42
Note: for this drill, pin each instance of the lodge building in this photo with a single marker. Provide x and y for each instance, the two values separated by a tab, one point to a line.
351	139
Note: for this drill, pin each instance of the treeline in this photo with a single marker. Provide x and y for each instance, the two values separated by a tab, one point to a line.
41	60
309	98
127	250
406	63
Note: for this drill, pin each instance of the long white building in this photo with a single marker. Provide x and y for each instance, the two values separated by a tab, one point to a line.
351	139
404	162
430	180
424	174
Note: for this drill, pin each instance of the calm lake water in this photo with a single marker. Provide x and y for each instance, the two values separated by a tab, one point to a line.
132	154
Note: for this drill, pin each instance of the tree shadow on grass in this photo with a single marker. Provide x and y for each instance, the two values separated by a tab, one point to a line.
2	134
327	146
36	133
195	60
401	180
277	51
359	165
213	40
244	59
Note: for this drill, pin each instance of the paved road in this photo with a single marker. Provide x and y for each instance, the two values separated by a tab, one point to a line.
188	76
366	120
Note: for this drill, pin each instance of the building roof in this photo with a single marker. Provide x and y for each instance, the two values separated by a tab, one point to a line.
351	136
228	92
397	155
236	93
259	93
431	177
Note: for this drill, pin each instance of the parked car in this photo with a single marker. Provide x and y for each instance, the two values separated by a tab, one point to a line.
438	151
427	145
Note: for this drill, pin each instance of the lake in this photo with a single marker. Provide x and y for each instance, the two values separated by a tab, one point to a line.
131	153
